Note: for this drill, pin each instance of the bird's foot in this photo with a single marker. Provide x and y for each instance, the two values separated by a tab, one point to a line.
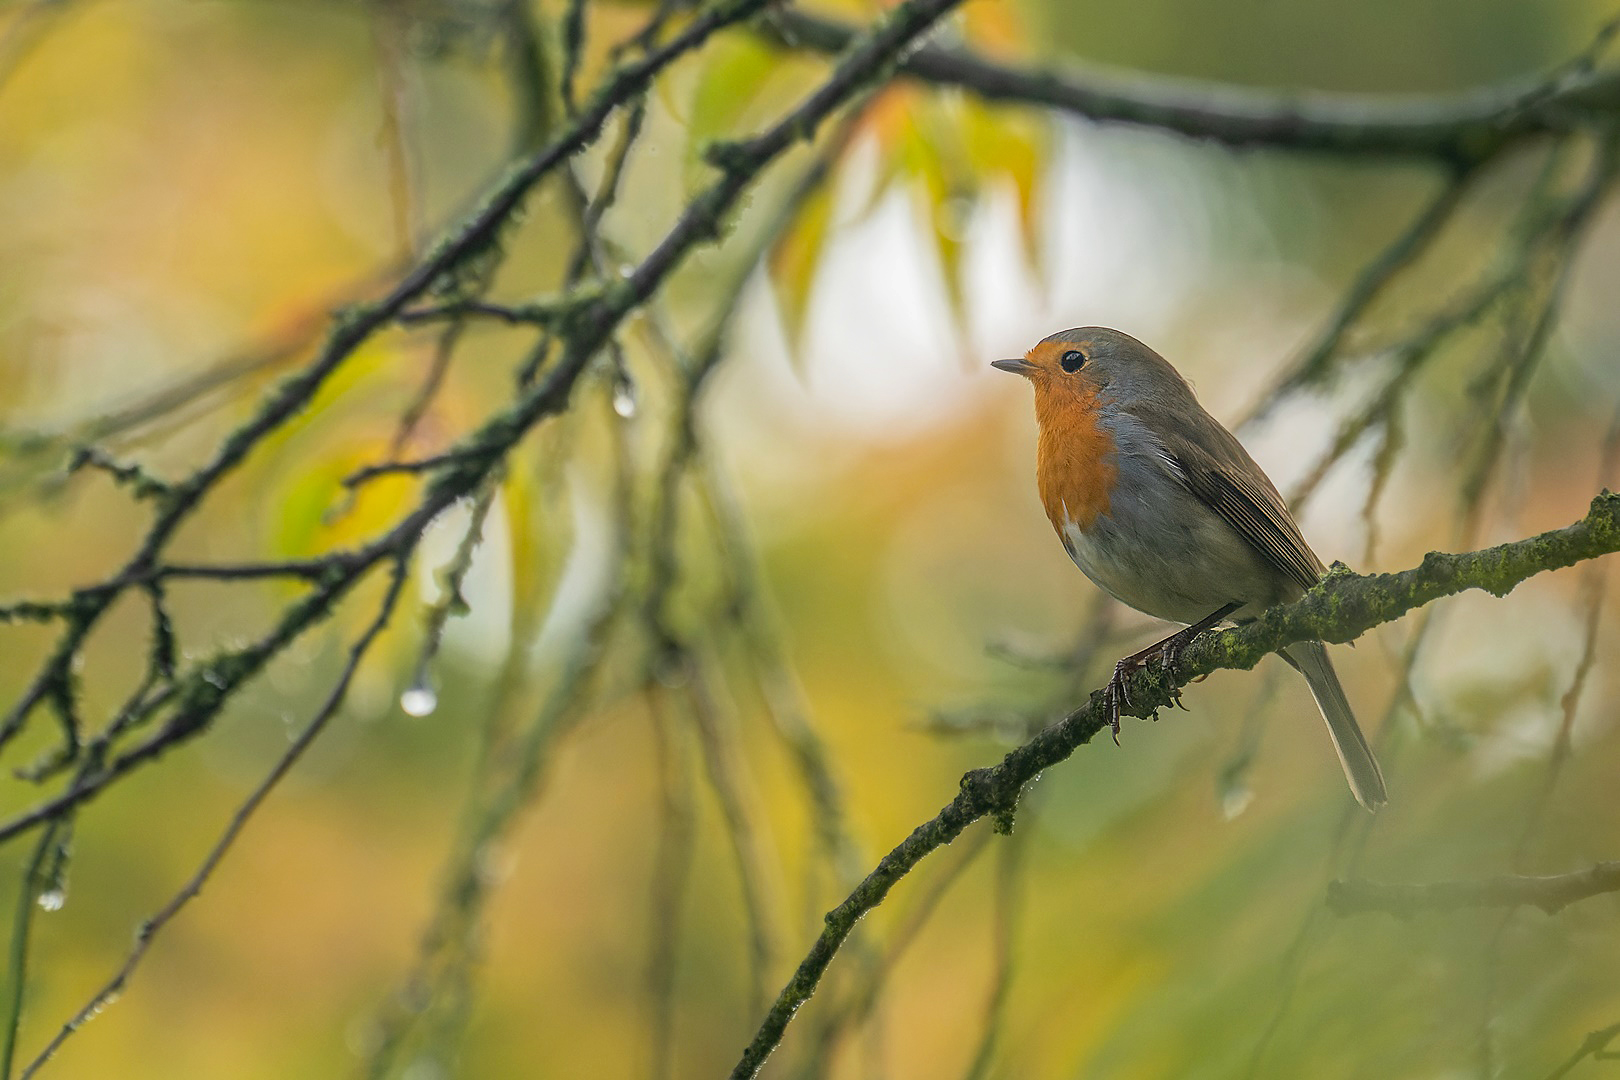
1170	653
1117	696
1118	693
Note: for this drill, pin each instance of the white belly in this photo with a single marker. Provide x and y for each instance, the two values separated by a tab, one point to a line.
1169	573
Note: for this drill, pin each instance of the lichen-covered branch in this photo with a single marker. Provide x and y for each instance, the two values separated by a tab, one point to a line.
1341	608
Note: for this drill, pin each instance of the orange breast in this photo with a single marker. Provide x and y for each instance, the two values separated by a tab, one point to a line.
1075	465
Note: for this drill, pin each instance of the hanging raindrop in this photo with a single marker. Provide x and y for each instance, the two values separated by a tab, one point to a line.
1235	799
624	398
419	700
52	899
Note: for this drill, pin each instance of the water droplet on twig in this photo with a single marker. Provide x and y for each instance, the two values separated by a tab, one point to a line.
52	899
624	398
419	700
1235	799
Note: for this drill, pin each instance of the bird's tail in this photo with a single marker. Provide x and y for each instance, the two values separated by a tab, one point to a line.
1310	658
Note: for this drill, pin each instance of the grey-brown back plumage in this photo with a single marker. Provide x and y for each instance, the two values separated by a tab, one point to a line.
1215	467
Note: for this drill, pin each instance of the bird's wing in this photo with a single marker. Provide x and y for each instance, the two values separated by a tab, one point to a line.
1215	467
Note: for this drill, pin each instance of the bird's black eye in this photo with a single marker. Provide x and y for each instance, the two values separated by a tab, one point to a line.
1072	360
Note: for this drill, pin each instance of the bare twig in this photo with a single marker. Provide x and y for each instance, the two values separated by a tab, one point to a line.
1009	902
1314	365
1466	127
537	314
164	915
718	749
450	601
512	773
30	895
573	42
1594	1046
1550	893
671	874
388	32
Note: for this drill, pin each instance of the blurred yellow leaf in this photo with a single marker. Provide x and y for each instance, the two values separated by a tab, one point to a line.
314	514
948	148
994	29
1008	143
794	260
930	153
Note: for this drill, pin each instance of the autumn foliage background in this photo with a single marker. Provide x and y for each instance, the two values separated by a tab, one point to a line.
184	185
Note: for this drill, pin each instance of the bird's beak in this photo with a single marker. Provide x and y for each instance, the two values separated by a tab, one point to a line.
1017	367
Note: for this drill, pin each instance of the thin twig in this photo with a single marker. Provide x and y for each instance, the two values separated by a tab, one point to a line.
1551	893
451	577
536	314
1315	364
1594	1046
510	777
28	897
1009	908
671	876
717	743
389	28
573	42
163	916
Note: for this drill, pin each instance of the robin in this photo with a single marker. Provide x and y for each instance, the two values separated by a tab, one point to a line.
1164	510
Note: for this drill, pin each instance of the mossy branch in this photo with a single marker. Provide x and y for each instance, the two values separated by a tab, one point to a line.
1341	608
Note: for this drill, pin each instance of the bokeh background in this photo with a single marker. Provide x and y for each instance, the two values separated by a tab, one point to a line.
187	184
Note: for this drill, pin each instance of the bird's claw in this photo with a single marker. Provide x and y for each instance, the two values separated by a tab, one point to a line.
1118	693
1169	661
1117	696
1169	651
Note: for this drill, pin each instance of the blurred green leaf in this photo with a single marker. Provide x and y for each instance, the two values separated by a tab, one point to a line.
730	98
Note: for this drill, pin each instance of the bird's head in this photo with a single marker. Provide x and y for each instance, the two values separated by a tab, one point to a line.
1089	362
